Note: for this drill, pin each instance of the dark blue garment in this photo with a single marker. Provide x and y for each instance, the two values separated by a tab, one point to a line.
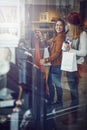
54	79
73	81
20	54
22	72
21	62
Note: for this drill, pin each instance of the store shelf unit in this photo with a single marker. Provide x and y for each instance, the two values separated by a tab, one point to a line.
42	26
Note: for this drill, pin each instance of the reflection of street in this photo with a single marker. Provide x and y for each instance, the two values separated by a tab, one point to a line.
8	14
9	23
55	117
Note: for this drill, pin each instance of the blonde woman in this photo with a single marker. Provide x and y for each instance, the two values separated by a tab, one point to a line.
78	46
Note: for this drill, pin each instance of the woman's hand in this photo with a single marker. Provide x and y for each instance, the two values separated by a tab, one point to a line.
42	61
67	47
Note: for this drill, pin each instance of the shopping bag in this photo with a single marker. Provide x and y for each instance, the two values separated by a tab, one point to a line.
69	62
46	54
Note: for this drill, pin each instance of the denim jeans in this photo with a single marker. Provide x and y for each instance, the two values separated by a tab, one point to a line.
54	79
22	72
73	81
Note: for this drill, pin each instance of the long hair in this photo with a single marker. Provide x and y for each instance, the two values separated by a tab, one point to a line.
74	31
63	23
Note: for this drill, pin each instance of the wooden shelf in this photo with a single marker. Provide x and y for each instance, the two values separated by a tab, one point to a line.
42	25
42	22
40	29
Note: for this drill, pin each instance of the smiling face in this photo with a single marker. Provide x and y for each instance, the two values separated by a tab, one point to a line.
59	27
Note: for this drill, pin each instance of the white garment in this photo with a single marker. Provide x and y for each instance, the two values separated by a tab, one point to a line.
82	47
5	56
46	54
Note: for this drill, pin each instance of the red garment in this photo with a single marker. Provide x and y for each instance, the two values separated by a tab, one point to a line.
38	54
37	60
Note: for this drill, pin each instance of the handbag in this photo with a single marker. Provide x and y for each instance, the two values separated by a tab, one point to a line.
69	62
82	69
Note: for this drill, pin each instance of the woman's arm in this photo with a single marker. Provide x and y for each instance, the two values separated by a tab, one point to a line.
82	50
55	52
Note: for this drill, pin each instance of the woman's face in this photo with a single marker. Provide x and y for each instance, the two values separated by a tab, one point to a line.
59	27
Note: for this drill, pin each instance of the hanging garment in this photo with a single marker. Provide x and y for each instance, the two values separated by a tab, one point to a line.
38	56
